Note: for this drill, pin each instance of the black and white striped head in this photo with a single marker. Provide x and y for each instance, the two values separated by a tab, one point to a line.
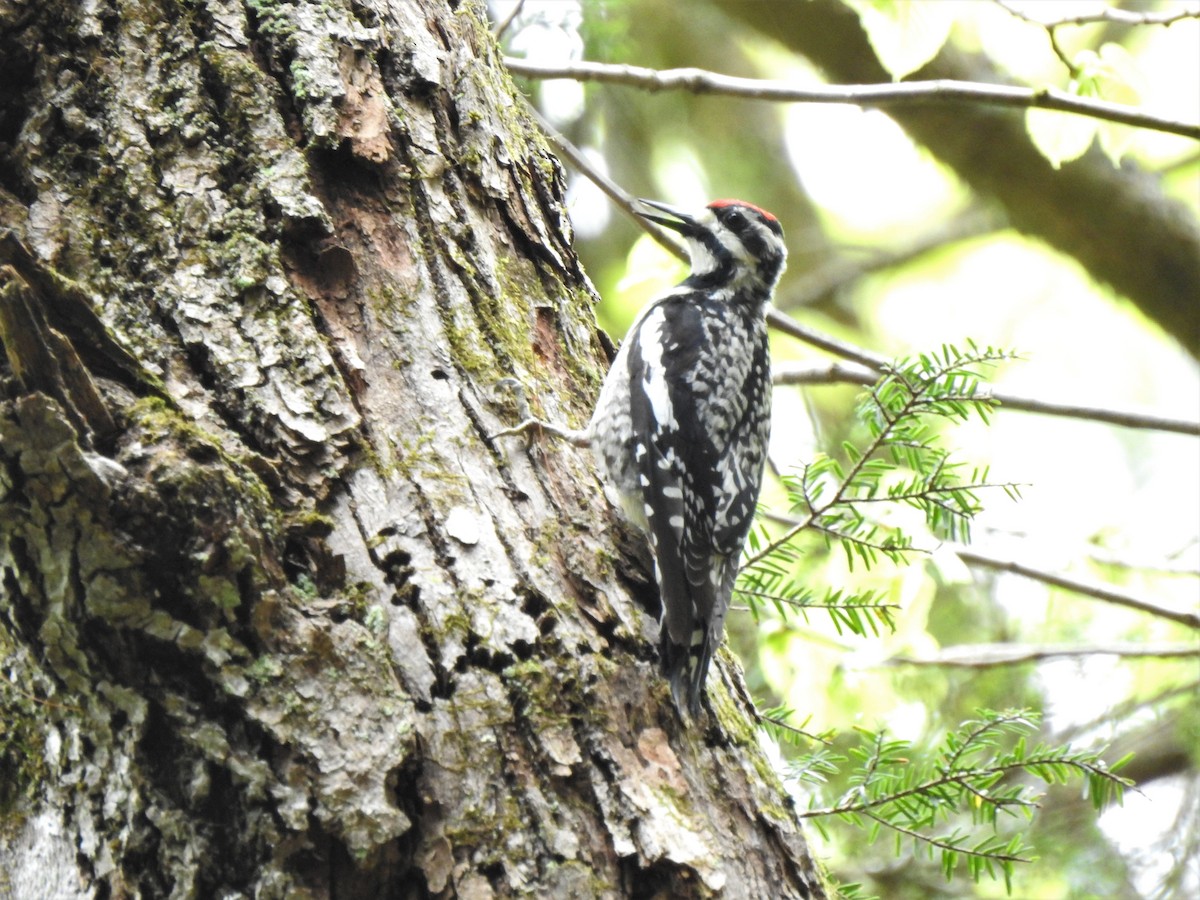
733	244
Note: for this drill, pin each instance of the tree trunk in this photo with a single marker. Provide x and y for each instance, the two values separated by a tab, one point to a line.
277	619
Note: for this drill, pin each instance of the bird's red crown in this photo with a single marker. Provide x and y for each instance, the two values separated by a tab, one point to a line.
717	204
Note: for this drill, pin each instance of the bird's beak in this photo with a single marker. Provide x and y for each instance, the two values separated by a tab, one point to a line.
680	221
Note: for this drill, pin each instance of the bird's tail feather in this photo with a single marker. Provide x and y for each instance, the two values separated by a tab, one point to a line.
686	668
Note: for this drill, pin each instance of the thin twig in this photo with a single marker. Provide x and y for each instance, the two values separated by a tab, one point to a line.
841	373
947	845
1166	564
973	556
948	778
787	726
625	201
789	326
509	19
908	93
1111	14
1061	53
1126	712
628	204
987	656
801	604
1103	592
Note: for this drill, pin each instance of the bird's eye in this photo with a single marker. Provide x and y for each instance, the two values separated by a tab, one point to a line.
735	219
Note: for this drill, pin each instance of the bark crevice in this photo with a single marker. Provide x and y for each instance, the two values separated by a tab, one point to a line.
301	629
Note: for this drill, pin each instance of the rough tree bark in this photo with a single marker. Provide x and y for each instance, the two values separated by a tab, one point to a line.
276	618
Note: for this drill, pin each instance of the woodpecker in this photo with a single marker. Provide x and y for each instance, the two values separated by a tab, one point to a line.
681	427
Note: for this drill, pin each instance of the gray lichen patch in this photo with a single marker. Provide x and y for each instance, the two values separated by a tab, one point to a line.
329	695
177	219
118	549
24	696
302	626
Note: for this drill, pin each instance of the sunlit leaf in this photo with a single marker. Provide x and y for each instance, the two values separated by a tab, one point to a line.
1060	137
1117	79
905	34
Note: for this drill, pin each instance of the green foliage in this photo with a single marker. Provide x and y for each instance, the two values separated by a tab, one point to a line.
1104	74
904	35
897	414
953	801
901	463
898	244
838	499
770	581
949	801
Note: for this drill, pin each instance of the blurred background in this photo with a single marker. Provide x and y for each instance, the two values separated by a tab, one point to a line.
1069	241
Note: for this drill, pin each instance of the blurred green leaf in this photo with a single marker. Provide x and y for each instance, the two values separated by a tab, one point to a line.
905	35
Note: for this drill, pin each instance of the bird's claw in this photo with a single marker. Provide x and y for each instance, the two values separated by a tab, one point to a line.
516	390
529	422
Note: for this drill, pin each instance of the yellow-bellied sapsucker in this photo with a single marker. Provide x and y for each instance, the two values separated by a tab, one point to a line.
681	427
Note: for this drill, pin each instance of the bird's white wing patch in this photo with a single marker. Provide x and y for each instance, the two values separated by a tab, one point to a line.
655	382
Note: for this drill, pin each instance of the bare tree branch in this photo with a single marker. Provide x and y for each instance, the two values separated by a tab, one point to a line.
986	656
1129	711
1104	592
1119	223
624	200
789	326
976	557
841	373
869	363
627	203
507	21
1111	14
910	93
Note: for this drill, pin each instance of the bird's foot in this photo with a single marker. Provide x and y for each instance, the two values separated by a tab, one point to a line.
530	423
